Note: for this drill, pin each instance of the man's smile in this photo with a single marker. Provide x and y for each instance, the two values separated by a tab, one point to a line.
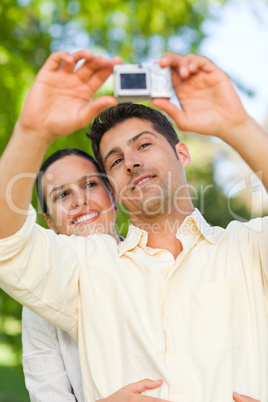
139	181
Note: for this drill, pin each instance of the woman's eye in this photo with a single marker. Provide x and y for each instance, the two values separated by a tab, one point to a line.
90	184
116	162
61	195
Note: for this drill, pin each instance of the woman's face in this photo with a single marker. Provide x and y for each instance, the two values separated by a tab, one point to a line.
78	202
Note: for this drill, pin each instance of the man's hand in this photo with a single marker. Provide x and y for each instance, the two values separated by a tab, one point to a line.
211	106
243	398
131	393
209	103
60	99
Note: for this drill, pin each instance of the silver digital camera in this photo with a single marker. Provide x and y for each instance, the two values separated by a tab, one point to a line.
141	82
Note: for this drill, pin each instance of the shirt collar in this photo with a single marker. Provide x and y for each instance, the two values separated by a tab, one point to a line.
134	237
194	224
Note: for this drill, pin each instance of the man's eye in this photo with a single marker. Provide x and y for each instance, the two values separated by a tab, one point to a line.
116	162
62	195
146	144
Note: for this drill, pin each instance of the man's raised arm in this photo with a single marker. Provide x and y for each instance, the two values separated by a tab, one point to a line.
211	106
57	104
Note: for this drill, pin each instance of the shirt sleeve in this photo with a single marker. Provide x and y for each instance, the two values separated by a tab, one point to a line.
44	370
41	270
258	246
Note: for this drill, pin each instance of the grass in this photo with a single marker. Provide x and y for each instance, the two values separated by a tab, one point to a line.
12	386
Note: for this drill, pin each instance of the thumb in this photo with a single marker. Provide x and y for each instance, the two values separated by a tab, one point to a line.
243	398
92	109
172	110
143	385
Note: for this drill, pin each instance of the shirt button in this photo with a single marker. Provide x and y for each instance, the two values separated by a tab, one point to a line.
169	322
178	399
173	359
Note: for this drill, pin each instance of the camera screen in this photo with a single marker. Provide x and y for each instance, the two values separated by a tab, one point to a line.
133	81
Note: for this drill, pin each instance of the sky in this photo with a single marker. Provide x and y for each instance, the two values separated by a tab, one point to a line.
238	42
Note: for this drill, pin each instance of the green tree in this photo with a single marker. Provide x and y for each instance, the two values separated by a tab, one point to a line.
136	30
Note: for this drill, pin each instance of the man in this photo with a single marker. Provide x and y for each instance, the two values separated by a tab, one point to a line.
184	303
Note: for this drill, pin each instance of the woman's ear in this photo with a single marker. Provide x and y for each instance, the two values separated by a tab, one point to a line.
50	224
183	154
115	198
114	202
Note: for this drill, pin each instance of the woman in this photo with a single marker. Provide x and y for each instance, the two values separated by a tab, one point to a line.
76	200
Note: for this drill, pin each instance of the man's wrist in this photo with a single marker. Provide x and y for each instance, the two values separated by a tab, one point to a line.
239	131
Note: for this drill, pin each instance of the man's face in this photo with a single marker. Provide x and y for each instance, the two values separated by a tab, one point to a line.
77	200
143	168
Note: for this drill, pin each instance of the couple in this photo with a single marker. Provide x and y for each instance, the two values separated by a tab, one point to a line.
176	300
68	179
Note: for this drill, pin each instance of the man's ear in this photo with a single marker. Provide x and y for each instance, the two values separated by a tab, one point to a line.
50	224
183	154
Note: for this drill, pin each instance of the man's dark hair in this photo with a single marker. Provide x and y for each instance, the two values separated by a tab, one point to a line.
124	111
61	153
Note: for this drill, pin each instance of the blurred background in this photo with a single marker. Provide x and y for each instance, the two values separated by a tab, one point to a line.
234	34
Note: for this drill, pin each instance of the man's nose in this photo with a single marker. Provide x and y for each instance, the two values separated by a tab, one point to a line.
132	162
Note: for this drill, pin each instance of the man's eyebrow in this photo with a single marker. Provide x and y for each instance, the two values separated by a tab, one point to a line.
129	142
136	137
111	152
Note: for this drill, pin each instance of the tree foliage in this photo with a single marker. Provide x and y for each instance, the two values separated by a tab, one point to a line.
136	30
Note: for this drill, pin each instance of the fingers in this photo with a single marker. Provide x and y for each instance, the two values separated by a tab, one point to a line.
97	71
186	65
91	64
99	74
94	70
172	110
55	59
85	71
243	398
92	109
116	60
143	385
143	398
77	56
132	392
66	61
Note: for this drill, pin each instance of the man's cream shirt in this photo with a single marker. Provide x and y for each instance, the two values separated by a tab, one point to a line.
200	322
